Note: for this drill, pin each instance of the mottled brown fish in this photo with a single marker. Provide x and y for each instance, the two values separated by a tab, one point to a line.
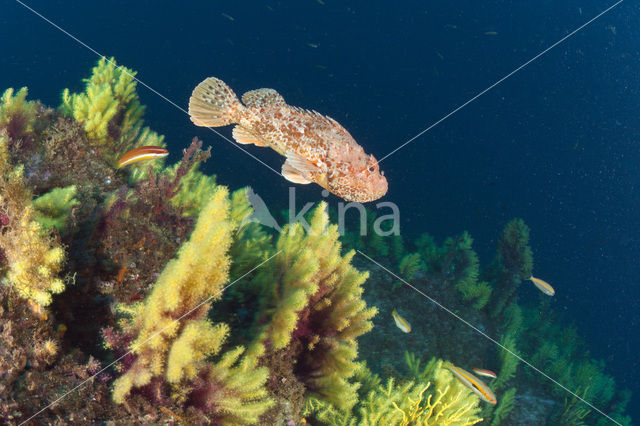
318	149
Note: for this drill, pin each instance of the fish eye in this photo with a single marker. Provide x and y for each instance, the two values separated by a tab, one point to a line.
371	169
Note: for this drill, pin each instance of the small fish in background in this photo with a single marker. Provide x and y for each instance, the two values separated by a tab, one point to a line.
229	17
543	286
485	373
38	310
402	323
142	153
490	33
314	45
317	148
478	387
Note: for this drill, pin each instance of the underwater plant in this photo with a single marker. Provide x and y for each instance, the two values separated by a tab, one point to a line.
151	295
311	311
33	258
109	111
513	264
439	399
18	117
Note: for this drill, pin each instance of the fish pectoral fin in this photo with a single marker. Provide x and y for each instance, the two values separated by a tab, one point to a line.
245	137
302	164
294	175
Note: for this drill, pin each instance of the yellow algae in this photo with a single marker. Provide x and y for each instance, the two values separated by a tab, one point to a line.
34	258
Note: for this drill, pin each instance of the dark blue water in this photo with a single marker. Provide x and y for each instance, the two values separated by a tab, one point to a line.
556	144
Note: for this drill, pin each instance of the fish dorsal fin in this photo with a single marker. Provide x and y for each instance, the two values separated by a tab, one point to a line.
244	136
325	118
263	97
293	175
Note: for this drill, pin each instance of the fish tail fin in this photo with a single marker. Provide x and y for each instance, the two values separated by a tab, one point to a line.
213	104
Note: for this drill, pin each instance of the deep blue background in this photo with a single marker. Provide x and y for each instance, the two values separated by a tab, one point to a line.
556	144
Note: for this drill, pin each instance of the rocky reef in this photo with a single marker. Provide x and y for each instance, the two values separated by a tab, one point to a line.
147	295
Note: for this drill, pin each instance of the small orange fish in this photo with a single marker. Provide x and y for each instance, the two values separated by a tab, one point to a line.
121	272
472	382
318	149
485	373
142	153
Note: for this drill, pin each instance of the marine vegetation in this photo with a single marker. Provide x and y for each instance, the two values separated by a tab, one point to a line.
451	275
148	295
127	272
434	397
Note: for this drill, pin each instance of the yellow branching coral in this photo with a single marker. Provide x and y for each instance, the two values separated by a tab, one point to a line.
236	386
450	403
311	293
33	258
195	189
198	273
293	282
109	110
442	400
197	340
110	94
174	338
17	115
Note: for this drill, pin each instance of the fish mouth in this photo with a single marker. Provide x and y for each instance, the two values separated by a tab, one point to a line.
381	188
375	190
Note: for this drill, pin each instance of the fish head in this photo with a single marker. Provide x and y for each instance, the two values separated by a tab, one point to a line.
357	177
369	181
353	174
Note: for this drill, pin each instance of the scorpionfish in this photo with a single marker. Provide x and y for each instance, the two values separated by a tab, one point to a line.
317	148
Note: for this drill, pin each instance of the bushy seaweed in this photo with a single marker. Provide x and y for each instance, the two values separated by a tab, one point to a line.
155	282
